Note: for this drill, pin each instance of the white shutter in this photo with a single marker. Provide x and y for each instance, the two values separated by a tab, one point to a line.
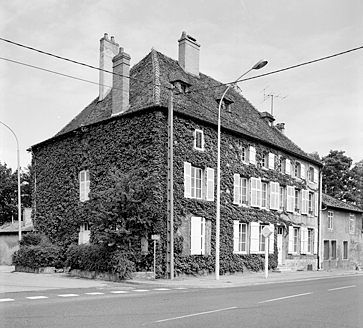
302	171
259	193
210	184
254	186
291	240
273	198
288	167
303	240
254	237
315	176
316	207
290	198
82	186
252	155
315	241
235	235
271	161
87	185
187	180
271	240
196	235
304	201
237	189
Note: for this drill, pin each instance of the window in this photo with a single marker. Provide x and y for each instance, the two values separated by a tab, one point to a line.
84	185
244	154
264	160
297	200
304	201
252	155
290	198
84	234
333	249
240	190
282	198
257	240
274	195
351	223
345	250
287	167
310	241
198	139
198	183
330	220
297	170
293	246
304	240
326	250
256	192
282	165
271	161
311	202
197	236
264	195
226	105
313	175
239	237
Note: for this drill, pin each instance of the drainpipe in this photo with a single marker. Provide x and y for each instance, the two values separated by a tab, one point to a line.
319	216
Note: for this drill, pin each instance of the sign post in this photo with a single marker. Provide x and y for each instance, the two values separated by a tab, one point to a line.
266	232
155	238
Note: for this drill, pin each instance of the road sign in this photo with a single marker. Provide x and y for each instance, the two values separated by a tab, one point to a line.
267	231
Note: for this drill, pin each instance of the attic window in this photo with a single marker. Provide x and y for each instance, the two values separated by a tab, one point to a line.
226	104
181	86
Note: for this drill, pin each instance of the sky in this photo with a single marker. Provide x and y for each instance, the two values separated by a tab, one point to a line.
321	103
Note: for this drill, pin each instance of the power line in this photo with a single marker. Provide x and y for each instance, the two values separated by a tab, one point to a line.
69	60
280	70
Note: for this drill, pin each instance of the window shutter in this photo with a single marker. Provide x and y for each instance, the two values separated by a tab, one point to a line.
274	195
196	233
87	185
316	207
235	235
288	167
271	161
254	199
259	193
303	240
236	189
271	240
315	241
290	198
82	185
210	184
254	237
252	155
315	176
187	180
304	201
302	171
291	240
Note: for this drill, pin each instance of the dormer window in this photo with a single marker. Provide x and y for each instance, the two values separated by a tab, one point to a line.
181	87
226	104
198	139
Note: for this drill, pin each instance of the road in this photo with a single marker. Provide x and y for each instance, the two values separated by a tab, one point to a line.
333	302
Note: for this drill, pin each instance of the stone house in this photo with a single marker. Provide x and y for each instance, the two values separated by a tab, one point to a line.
266	179
342	234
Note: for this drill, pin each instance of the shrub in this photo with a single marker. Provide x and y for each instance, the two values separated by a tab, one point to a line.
122	266
38	256
34	239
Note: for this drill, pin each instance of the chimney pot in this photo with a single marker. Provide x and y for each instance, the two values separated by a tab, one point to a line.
281	127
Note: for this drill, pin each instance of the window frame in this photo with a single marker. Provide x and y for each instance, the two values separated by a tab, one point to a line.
240	246
351	223
84	185
345	253
198	132
195	235
330	221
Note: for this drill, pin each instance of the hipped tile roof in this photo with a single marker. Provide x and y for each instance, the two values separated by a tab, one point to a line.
150	82
330	201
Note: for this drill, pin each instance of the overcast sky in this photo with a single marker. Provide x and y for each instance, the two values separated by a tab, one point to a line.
323	104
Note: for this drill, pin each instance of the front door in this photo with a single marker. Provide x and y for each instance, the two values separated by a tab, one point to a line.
280	246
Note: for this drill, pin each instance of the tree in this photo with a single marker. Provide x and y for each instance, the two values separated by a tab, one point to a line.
357	176
125	212
9	192
339	180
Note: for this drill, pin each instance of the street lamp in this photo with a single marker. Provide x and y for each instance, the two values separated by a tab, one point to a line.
258	65
18	163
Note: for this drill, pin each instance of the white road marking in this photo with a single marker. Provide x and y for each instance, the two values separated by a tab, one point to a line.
161	289
282	298
36	297
180	288
342	287
68	295
119	292
6	300
95	293
195	314
140	290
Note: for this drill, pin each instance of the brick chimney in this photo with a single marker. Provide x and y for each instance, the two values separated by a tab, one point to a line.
121	83
108	49
189	54
281	127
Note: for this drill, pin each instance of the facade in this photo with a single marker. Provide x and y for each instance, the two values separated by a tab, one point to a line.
266	179
342	234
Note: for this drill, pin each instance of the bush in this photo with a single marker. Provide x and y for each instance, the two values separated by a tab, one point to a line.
34	239
38	256
101	259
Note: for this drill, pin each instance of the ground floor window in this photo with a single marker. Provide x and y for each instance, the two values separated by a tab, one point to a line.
345	250
84	233
197	236
333	249
326	250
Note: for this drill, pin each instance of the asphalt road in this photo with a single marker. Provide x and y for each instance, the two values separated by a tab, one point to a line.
333	302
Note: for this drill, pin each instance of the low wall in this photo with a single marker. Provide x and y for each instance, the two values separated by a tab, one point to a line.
110	276
19	268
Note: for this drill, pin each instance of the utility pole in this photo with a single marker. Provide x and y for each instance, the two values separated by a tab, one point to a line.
170	219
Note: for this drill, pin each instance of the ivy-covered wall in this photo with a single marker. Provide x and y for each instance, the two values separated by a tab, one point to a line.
140	140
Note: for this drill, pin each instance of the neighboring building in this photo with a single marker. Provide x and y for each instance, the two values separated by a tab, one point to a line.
266	179
341	234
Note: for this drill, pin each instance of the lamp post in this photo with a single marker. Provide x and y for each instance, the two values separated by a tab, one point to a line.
258	65
18	164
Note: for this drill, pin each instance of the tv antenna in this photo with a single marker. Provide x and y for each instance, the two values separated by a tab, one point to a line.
271	95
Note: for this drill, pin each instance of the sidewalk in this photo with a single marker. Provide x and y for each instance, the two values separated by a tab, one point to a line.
19	281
